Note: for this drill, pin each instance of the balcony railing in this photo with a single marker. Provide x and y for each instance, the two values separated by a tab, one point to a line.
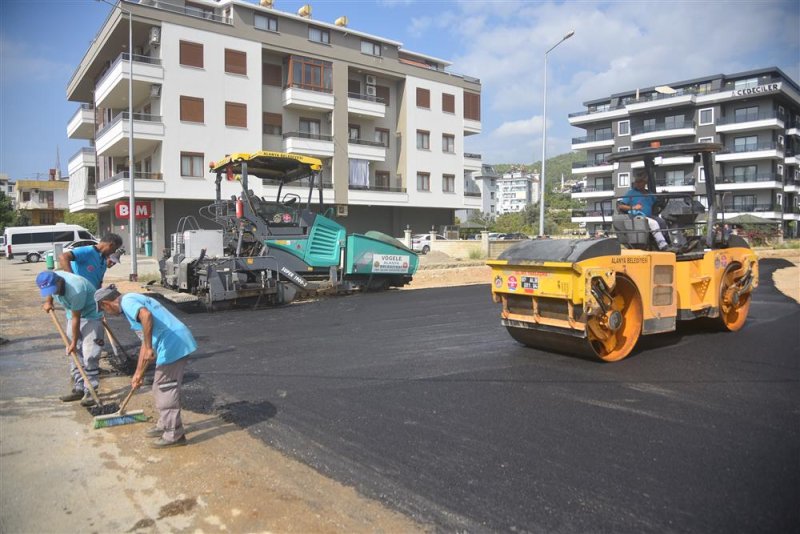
470	155
675	182
187	10
662	126
472	194
597	212
365	142
596	163
591	138
753	147
747	117
744	179
387	188
308	135
136	175
87	150
594	188
751	208
308	87
601	110
368	98
124	117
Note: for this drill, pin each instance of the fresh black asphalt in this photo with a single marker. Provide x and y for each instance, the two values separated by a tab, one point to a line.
422	400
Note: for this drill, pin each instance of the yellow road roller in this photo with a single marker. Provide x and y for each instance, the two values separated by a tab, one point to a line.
594	297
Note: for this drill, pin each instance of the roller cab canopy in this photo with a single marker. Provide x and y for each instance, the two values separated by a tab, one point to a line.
278	166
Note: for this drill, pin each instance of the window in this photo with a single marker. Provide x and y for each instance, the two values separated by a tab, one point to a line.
779	169
779	201
746	114
423	140
191	164
745	144
472	106
319	35
265	22
235	62
382	136
745	84
706	140
310	128
602	134
423	98
673	122
368	47
448	183
423	181
744	202
448	103
624	128
308	73
707	116
382	180
703	88
648	125
191	54
271	74
624	179
601	158
26	196
192	109
272	123
354	132
382	94
448	143
674	177
236	114
745	173
623	149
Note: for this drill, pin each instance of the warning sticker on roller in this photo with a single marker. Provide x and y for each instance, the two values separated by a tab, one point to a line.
390	263
530	282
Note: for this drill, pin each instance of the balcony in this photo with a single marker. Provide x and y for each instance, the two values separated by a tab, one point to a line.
792	186
663	130
378	192
365	106
368	150
655	101
309	144
598	114
593	141
196	11
308	97
592	167
767	150
112	138
471	126
600	190
112	89
592	215
147	184
472	162
768	210
81	125
750	121
675	185
757	181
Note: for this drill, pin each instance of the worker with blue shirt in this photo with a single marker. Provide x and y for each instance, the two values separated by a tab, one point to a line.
91	261
167	341
84	327
639	202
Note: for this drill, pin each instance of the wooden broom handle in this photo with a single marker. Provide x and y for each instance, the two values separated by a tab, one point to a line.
75	358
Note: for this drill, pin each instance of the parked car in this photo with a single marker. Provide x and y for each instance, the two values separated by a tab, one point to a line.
422	242
513	236
70	246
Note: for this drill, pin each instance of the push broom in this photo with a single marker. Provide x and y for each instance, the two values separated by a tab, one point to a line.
121	417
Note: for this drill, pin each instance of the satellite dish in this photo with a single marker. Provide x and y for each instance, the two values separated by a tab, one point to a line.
665	90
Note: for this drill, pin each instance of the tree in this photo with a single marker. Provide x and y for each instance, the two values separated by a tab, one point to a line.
87	220
482	218
8	217
511	223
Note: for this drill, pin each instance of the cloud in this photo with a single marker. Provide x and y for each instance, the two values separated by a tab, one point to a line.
529	126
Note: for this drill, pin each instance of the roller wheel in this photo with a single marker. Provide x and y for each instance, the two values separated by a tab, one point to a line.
732	309
612	336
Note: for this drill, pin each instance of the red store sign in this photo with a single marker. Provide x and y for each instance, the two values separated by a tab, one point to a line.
144	209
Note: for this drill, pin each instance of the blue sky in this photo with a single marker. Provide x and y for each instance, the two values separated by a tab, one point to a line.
617	46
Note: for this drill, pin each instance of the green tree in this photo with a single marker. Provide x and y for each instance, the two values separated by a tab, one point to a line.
481	218
511	223
8	217
87	220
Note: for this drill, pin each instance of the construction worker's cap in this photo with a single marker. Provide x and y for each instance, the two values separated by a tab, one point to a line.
105	293
47	282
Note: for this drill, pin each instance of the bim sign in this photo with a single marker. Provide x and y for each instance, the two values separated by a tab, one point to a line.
143	210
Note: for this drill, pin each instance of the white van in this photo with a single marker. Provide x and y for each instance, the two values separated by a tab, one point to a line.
32	242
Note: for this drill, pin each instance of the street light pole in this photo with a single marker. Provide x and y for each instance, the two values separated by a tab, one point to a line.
134	276
544	136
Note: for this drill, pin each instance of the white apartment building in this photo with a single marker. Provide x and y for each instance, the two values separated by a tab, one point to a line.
215	77
515	190
754	114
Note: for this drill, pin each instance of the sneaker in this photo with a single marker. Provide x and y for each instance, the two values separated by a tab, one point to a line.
87	399
161	443
153	432
71	397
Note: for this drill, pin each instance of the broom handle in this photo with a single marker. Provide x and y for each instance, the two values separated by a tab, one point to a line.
75	359
114	342
125	402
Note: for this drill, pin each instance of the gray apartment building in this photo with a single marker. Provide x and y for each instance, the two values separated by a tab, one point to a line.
755	115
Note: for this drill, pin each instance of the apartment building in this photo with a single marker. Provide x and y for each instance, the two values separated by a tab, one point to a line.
216	77
515	190
41	201
754	114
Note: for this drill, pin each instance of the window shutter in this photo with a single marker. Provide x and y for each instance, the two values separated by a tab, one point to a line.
472	106
382	92
271	75
235	62
448	103
423	98
192	109
236	114
191	54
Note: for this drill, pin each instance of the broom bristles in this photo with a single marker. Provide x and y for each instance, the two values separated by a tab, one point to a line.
121	420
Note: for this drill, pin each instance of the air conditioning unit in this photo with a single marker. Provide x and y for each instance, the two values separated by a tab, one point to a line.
371	90
371	79
341	210
155	90
155	35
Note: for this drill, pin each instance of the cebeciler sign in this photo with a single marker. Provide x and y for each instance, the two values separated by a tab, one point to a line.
757	90
143	209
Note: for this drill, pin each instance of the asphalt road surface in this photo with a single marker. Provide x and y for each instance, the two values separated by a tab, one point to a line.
422	400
